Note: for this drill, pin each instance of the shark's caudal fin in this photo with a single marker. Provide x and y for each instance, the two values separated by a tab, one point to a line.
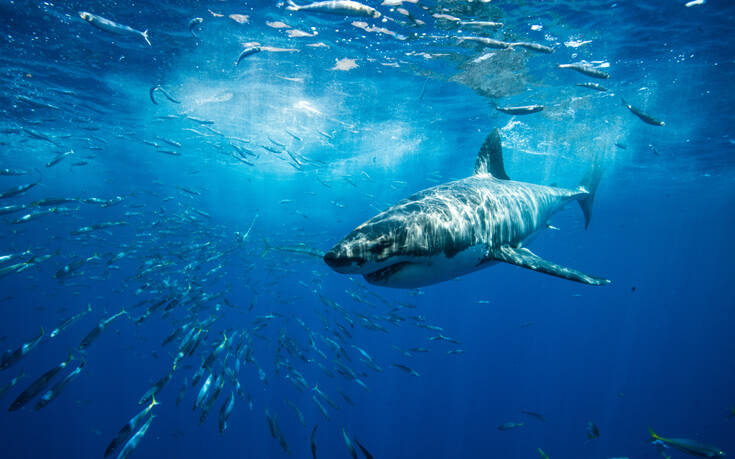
490	158
589	186
527	259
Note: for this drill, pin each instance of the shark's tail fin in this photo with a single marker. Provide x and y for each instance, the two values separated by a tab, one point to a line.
588	186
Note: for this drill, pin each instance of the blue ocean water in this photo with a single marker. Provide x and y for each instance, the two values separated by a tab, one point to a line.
195	213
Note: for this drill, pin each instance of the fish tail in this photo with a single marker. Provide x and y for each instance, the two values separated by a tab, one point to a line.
266	249
145	37
653	434
292	6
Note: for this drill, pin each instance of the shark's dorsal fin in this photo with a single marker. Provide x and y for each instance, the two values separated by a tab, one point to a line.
490	158
527	259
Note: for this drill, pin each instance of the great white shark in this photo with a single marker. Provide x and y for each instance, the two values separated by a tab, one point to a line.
462	226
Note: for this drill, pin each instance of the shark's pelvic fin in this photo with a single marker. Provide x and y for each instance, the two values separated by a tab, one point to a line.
527	259
490	158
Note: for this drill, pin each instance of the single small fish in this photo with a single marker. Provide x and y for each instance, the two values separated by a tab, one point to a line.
298	412
480	24
13	172
59	157
203	391
487	42
190	191
6	210
38	214
112	26
171	142
592	431
247	52
347	398
313	441
691	447
595	86
510	425
363	449
408	370
302	249
321	408
35	103
585	69
16	190
694	3
4	390
338	7
38	135
533	47
193	24
645	117
10	358
521	110
53	201
96	331
294	135
151	94
225	412
68	322
538	416
182	392
350	446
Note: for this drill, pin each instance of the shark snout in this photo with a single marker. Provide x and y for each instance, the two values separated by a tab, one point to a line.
339	261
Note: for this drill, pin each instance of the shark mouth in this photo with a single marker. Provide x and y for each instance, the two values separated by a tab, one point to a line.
382	275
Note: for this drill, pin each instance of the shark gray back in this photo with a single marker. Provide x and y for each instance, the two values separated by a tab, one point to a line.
459	227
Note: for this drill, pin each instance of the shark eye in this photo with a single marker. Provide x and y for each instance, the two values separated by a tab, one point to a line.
380	245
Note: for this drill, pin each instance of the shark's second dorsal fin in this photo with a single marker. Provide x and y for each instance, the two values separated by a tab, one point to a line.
490	158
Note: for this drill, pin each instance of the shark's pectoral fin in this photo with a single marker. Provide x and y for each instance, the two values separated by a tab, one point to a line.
527	259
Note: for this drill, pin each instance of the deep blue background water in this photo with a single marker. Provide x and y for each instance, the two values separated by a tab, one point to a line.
654	348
